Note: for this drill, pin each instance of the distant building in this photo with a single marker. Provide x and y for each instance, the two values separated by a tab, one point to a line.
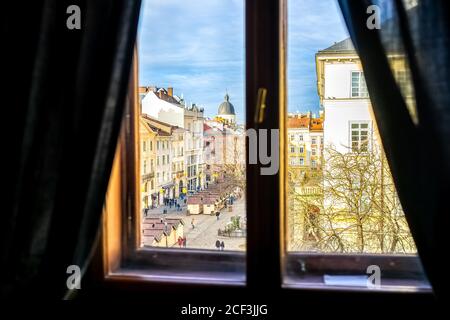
351	140
305	141
163	105
305	151
226	110
224	143
169	167
147	163
344	97
157	232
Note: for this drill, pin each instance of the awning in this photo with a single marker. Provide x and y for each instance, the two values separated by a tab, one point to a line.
167	186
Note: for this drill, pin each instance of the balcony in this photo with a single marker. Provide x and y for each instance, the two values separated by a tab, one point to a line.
148	176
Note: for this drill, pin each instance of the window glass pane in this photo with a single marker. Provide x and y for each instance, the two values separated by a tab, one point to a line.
354	207
191	69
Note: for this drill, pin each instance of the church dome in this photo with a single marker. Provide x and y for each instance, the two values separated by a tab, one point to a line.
226	108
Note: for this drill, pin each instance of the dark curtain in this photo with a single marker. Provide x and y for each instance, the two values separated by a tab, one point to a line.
415	131
63	96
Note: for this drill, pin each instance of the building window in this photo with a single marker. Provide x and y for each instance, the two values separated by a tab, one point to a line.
144	146
313	140
302	161
313	164
359	88
359	133
145	167
292	149
301	149
313	151
300	137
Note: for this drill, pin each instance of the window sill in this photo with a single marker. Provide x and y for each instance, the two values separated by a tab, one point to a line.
316	282
399	273
177	277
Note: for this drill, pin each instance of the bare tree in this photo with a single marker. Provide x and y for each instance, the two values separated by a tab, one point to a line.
234	165
350	205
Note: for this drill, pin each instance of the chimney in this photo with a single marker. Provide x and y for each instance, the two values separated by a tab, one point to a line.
170	91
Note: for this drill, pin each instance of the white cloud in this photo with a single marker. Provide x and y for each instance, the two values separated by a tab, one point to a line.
197	47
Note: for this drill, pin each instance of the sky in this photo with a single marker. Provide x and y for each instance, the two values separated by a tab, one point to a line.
197	47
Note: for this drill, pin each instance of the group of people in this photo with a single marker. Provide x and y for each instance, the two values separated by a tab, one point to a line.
172	203
177	204
182	242
220	245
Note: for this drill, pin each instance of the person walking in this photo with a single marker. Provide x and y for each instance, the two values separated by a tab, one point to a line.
180	241
217	215
218	244
193	223
222	246
184	241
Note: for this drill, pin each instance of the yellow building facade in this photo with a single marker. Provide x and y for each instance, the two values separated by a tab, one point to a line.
147	163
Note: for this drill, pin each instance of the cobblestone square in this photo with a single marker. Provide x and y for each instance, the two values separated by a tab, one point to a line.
205	232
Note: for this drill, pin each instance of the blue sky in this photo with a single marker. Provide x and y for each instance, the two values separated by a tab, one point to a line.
197	47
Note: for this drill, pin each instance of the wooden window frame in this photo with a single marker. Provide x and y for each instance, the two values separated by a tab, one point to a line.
266	265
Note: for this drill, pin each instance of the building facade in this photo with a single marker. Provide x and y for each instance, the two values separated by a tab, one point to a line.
305	138
169	159
359	210
224	144
344	97
163	105
147	163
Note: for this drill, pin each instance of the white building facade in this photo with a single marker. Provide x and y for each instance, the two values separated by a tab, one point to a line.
163	105
348	124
